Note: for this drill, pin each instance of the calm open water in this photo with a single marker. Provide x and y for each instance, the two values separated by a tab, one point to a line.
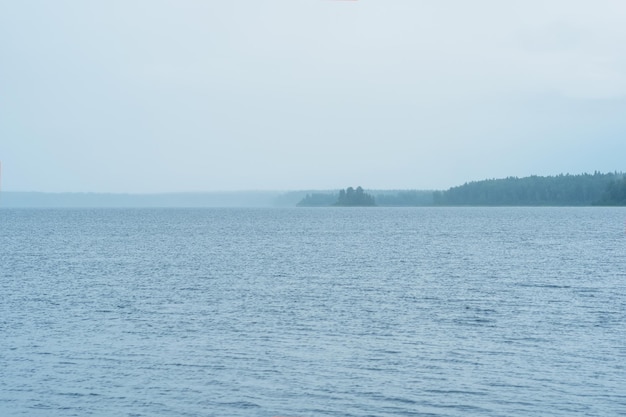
313	312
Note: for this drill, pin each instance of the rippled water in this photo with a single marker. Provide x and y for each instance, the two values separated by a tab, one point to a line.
313	312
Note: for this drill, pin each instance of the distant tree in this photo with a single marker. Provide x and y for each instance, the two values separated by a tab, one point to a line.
350	193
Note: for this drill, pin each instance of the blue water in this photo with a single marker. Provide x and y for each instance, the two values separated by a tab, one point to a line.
313	312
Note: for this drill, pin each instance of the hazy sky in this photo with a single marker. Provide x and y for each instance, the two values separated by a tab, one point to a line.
201	95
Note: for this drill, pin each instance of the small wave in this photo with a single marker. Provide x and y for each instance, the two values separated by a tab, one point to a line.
552	286
241	404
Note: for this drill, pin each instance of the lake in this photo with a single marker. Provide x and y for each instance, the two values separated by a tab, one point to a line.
313	312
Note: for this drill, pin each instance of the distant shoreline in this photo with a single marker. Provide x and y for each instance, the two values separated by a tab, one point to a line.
221	199
579	190
18	199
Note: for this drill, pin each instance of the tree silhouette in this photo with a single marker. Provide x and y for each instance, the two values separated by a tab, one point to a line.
353	198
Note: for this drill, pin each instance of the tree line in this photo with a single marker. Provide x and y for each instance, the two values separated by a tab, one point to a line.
380	198
350	197
560	190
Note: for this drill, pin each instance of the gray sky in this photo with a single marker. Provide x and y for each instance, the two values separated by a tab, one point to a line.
202	95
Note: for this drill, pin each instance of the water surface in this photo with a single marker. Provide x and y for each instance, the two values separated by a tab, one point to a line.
313	312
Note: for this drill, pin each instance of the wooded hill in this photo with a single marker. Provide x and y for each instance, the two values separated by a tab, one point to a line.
560	190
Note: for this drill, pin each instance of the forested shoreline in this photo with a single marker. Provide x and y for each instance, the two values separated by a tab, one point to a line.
349	197
597	189
559	190
380	198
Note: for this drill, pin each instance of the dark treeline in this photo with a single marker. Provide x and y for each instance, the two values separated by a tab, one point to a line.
349	197
354	198
382	198
560	190
403	198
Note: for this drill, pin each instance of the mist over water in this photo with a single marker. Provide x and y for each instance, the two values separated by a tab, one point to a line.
313	312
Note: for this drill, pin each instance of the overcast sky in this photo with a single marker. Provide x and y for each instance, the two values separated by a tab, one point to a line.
202	95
